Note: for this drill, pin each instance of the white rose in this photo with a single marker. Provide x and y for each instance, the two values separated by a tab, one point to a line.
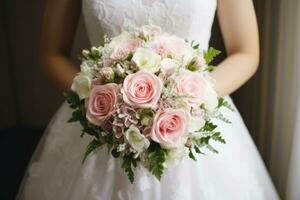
169	66
136	140
196	123
147	60
82	85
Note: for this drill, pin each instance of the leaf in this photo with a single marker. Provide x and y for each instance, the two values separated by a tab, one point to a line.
191	155
91	147
205	140
224	103
72	99
192	66
77	115
115	153
217	137
211	148
157	157
127	164
197	149
209	126
210	68
210	54
194	46
221	117
129	57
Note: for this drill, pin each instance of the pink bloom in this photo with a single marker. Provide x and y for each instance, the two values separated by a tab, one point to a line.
166	46
101	103
123	49
142	90
193	85
108	62
170	128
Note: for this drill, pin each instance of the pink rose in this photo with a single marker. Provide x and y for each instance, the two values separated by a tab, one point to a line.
142	89
101	103
167	45
170	128
193	85
123	49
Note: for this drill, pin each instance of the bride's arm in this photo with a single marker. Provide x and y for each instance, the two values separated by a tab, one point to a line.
58	30
239	29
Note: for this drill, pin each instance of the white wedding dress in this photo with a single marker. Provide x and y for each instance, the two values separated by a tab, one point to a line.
56	171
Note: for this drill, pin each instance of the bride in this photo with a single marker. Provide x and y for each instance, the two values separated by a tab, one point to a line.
236	173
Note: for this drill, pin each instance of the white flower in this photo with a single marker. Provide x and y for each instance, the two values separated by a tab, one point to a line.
196	123
175	156
121	147
82	85
187	55
147	60
86	68
136	140
150	30
169	66
124	36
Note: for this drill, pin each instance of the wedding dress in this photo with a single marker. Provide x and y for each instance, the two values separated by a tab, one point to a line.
56	171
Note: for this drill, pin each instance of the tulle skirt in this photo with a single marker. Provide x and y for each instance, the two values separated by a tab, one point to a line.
57	173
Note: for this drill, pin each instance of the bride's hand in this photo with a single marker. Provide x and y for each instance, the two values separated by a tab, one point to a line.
239	29
58	30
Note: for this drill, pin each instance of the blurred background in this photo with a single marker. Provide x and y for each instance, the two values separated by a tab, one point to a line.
269	102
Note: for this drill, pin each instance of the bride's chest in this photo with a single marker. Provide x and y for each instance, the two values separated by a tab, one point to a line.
163	12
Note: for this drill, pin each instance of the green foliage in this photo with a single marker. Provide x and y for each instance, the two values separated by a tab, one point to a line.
192	66
115	153
77	115
129	162
91	147
210	54
191	154
146	116
72	99
208	131
208	127
210	68
220	116
224	103
204	142
217	137
129	57
157	157
197	149
211	148
194	46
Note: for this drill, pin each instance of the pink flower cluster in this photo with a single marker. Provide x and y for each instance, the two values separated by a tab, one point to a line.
139	90
145	88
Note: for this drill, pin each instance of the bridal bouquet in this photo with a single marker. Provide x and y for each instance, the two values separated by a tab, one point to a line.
147	96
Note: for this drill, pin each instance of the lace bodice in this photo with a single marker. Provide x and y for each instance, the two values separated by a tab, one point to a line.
189	19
